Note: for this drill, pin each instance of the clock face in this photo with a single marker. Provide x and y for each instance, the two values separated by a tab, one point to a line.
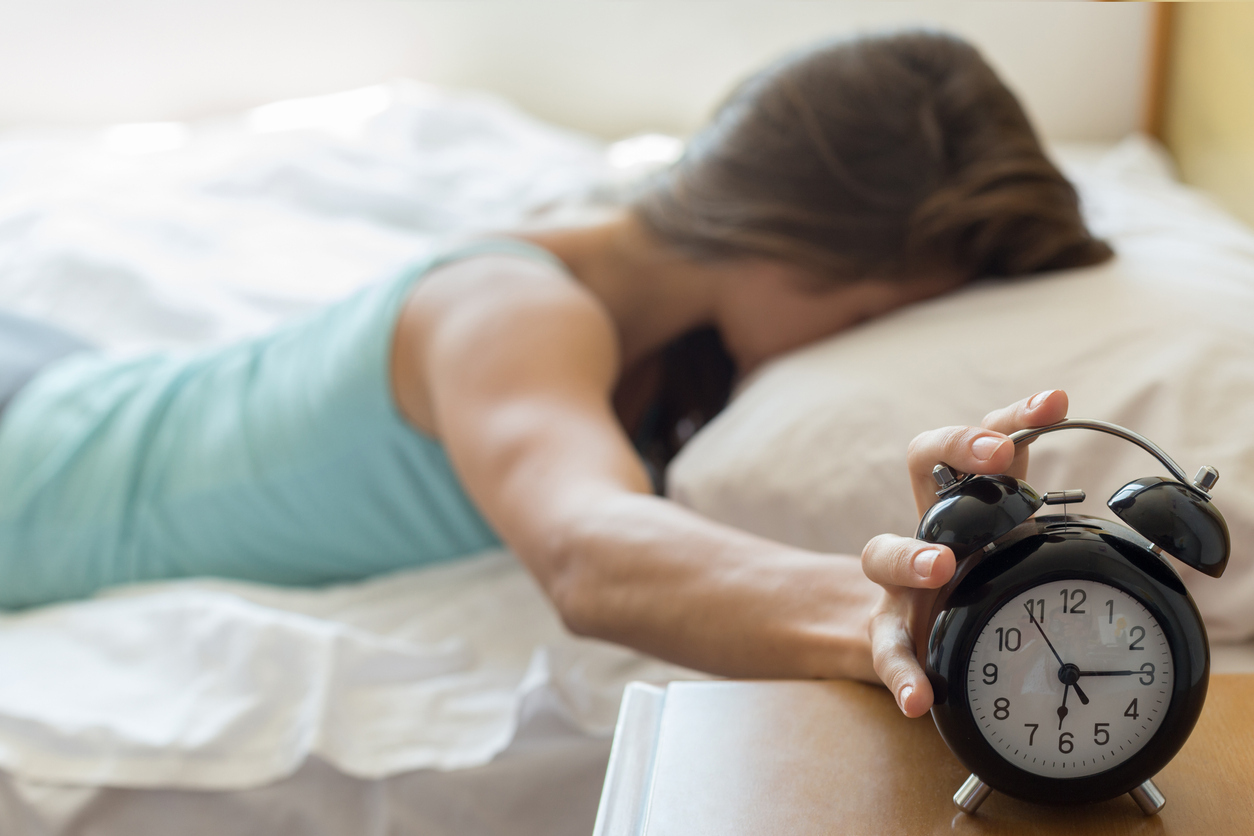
1084	705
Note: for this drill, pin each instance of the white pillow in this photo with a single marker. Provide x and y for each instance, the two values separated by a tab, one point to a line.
1160	340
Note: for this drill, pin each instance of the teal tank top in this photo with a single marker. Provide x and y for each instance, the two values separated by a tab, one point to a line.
283	459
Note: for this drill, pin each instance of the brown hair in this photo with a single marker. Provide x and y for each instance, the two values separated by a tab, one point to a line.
877	157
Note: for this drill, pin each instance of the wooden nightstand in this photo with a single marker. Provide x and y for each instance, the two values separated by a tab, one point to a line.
731	758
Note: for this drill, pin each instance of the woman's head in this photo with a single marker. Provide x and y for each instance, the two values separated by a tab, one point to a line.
878	170
886	157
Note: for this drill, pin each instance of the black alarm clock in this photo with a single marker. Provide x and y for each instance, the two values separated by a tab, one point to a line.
1067	660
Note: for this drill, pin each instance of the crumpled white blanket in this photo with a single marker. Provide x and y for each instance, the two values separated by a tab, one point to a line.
145	237
223	685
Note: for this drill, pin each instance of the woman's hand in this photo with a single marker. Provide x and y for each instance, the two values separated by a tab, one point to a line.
911	570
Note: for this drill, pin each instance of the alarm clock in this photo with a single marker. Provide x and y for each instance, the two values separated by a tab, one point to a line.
1067	660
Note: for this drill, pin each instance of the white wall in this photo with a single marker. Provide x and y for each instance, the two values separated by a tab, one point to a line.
607	66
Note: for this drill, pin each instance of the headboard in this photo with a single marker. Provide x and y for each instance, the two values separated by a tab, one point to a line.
1207	98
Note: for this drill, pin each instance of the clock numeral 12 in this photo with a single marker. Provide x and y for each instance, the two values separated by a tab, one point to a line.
1075	605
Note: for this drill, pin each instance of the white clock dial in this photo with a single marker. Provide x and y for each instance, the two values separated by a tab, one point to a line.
1083	706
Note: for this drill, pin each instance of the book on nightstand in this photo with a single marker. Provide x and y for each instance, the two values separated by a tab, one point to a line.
802	758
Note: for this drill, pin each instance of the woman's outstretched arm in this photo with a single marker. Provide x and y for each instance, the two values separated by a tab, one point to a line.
519	364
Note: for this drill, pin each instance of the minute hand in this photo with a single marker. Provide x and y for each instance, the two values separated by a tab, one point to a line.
1111	673
1045	637
1079	692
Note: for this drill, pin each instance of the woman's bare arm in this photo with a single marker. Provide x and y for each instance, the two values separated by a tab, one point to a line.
519	365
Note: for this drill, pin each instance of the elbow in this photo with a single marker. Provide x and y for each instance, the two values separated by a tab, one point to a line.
570	582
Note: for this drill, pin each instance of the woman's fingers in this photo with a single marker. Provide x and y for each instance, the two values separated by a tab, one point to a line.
893	655
890	560
966	449
983	449
1040	410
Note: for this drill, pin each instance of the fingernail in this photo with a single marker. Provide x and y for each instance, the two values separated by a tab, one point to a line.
923	562
904	696
1039	398
984	448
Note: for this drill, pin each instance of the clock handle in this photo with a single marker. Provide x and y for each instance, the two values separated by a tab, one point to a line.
971	794
1148	798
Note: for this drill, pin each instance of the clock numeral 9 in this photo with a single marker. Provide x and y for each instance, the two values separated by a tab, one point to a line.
1136	642
1075	605
1147	670
1001	708
1012	639
1100	736
990	674
1064	743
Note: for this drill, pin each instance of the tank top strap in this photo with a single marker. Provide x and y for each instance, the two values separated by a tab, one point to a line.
473	248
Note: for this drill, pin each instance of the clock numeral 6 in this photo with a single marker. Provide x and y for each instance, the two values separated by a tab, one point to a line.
1064	743
1147	670
1001	708
1100	736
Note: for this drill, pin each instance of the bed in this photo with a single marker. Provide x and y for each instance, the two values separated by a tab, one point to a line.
450	700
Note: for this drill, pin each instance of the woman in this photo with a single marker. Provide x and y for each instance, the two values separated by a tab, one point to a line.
494	391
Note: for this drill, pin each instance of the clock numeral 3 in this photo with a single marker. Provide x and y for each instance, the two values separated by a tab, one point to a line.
1064	743
1147	670
1100	736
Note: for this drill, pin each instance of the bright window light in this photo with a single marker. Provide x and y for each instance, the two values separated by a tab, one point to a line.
146	137
645	150
335	112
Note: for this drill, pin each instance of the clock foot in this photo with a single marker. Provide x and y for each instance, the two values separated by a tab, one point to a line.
1148	798
972	793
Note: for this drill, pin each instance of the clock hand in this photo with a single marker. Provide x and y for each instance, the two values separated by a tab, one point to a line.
1062	710
1110	673
1079	692
1045	637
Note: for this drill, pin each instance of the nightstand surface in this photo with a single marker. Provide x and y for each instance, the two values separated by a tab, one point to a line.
801	758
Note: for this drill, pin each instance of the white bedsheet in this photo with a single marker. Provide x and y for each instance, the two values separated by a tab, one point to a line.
223	685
